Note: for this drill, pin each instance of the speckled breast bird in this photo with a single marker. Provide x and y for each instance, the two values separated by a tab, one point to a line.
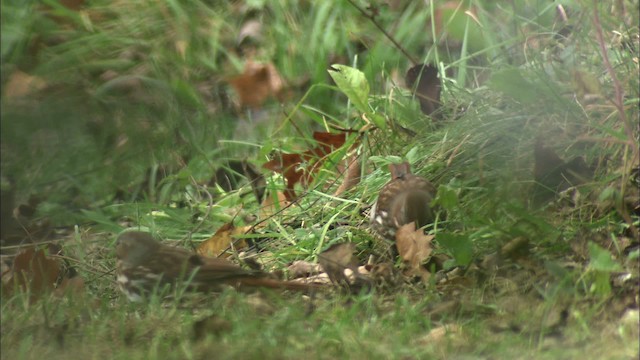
406	198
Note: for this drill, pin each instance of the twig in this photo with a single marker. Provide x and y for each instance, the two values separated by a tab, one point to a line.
371	17
618	101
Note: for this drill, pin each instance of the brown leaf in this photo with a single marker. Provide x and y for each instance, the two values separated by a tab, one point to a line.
301	268
33	271
352	175
289	165
336	259
414	247
21	85
424	81
223	238
256	84
272	204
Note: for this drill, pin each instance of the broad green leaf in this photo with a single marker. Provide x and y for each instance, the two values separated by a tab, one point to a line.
352	83
378	120
459	246
600	259
447	197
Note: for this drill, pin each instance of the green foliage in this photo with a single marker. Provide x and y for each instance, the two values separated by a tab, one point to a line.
137	90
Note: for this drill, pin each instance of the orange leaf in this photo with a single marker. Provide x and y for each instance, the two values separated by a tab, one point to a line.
256	84
269	206
414	247
223	238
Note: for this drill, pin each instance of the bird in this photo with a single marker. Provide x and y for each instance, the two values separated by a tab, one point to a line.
144	264
404	199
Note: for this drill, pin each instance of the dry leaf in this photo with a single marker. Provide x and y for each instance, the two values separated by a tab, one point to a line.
251	29
256	84
216	245
300	268
21	84
32	271
336	259
352	175
289	165
414	247
424	81
437	335
272	204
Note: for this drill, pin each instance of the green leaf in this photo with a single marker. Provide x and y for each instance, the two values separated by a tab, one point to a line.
447	197
459	246
352	83
601	259
378	120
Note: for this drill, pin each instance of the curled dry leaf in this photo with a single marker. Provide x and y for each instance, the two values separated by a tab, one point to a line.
423	80
352	175
440	334
20	85
216	245
414	247
336	259
256	84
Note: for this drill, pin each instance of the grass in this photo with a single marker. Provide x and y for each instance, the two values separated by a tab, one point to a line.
136	116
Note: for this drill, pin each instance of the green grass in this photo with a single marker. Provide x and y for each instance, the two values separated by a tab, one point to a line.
136	91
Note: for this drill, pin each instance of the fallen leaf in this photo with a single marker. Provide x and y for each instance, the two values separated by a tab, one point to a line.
352	175
300	268
70	285
292	166
272	204
437	335
426	85
20	85
414	247
216	245
289	166
256	84
336	259
34	272
250	30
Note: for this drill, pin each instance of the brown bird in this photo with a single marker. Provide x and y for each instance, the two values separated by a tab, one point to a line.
404	199
144	264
